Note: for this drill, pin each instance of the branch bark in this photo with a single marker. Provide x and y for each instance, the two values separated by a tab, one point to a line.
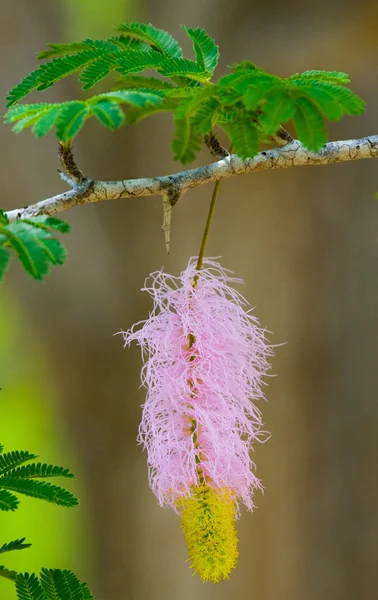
172	187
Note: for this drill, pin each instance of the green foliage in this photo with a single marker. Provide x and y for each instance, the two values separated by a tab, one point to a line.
248	103
4	572
35	246
52	584
15	545
24	480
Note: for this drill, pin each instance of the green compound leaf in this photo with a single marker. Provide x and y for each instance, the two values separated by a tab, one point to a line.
47	222
309	123
46	121
98	69
189	107
109	114
244	136
71	120
7	573
87	593
186	142
134	82
278	108
40	470
15	545
205	48
8	502
35	247
158	39
28	587
183	67
139	98
206	116
333	100
330	76
39	489
10	460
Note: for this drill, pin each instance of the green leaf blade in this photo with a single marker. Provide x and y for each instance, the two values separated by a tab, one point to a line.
309	124
28	587
40	490
8	574
40	470
71	120
8	501
278	108
159	39
14	545
186	142
244	136
205	48
10	460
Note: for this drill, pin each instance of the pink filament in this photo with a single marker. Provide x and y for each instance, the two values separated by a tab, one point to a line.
207	385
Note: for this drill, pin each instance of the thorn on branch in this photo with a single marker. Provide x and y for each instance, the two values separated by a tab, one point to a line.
171	195
73	173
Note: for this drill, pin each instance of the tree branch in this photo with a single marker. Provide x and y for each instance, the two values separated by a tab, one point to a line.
172	187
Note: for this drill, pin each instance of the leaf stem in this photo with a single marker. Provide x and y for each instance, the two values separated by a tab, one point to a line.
206	230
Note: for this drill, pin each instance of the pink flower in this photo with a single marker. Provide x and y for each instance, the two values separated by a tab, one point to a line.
204	359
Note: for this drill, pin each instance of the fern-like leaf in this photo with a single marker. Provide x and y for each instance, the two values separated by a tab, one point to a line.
109	114
8	574
244	136
189	107
139	98
39	489
28	587
10	460
40	470
8	501
158	39
186	142
205	48
36	249
134	82
333	100
206	116
46	121
71	120
309	124
278	108
183	67
87	593
330	76
47	222
14	545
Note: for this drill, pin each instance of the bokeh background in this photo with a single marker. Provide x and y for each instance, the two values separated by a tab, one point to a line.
305	241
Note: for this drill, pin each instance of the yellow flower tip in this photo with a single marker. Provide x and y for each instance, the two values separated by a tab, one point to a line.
208	521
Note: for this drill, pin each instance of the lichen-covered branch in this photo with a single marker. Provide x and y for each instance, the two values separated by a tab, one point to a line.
172	187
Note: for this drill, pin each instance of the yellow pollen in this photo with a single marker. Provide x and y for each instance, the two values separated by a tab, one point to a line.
208	521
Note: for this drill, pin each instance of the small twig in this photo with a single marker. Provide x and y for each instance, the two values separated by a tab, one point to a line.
68	163
282	137
214	146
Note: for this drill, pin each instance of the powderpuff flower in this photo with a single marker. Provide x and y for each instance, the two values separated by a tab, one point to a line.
204	356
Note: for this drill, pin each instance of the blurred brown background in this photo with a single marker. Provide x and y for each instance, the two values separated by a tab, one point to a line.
305	241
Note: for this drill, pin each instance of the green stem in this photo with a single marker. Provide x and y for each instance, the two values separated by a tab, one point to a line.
206	231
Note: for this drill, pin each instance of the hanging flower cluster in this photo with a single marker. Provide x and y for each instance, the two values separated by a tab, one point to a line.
204	358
